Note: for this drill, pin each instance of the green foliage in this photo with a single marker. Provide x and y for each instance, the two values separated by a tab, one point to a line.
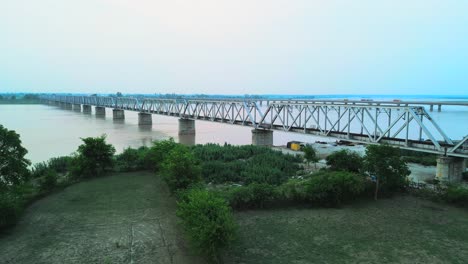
255	195
13	164
384	162
208	222
465	176
11	207
294	190
48	181
457	194
310	154
334	187
180	169
422	158
157	153
94	158
245	164
345	160
131	159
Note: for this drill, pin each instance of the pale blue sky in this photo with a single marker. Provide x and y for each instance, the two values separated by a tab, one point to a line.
235	47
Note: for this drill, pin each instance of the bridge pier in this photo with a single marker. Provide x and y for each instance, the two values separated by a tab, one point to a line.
262	137
118	114
450	169
145	119
439	108
77	107
87	109
186	126
100	111
68	106
431	108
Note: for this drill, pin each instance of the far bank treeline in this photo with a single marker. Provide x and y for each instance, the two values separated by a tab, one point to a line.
210	181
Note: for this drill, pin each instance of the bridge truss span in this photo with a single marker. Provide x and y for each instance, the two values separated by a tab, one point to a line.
405	126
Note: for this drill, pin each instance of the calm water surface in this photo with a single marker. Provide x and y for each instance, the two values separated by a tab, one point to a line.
48	131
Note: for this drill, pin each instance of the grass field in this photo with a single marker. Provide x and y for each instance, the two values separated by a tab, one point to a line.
398	230
124	218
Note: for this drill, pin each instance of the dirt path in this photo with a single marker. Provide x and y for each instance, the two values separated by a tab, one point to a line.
124	218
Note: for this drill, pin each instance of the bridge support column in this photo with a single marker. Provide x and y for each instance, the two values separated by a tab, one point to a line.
186	126
450	169
87	109
439	108
77	107
145	119
100	111
68	106
431	108
118	114
262	137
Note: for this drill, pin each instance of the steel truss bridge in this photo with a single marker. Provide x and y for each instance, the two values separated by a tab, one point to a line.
405	126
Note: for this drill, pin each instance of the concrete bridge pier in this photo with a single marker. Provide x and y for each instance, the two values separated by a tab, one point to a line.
145	119
439	108
450	169
186	126
118	114
77	107
100	111
87	109
431	108
262	137
68	106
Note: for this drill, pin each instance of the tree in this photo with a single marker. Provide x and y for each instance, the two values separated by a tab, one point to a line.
13	164
180	169
384	164
345	160
94	157
310	154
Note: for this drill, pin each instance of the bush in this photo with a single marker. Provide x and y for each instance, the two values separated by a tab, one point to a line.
11	207
208	222
94	158
131	159
345	160
255	195
157	153
294	190
48	181
60	164
180	169
334	188
457	194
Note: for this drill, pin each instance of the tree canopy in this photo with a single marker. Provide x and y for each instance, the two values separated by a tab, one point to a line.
13	164
95	157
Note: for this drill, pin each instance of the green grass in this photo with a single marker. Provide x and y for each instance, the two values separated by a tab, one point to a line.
123	218
398	230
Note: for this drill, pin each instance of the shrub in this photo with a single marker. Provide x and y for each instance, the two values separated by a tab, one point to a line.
13	164
60	164
334	188
11	207
208	222
294	190
155	155
310	154
345	160
180	169
251	196
48	181
457	194
94	158
131	159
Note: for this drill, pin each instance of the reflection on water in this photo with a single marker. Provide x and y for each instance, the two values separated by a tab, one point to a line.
49	131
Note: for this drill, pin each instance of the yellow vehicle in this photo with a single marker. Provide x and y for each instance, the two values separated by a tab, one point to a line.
295	145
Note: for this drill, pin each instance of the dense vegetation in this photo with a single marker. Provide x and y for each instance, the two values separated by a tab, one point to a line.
208	180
